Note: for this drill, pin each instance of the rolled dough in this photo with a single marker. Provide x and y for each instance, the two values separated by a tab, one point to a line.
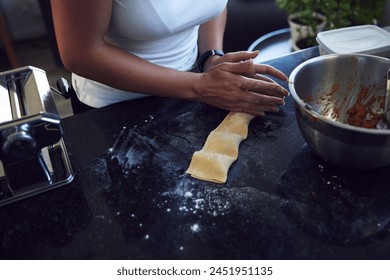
220	150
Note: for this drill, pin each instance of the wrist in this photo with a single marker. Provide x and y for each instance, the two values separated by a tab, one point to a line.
205	57
210	62
191	89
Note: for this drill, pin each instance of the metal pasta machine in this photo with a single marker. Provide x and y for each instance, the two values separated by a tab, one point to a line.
33	156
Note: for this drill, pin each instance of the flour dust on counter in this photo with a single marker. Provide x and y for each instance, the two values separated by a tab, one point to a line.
148	189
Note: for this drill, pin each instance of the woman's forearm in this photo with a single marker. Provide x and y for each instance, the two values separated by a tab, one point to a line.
80	29
121	70
211	33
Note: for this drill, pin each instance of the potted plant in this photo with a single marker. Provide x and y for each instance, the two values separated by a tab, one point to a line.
335	14
342	13
305	20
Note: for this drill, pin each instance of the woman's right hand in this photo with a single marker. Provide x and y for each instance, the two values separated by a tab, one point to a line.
234	83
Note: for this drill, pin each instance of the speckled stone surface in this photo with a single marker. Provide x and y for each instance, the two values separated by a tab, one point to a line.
131	198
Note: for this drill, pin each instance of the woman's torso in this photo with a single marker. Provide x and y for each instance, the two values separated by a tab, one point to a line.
164	32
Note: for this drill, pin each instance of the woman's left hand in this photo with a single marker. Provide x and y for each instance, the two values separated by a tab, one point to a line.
258	70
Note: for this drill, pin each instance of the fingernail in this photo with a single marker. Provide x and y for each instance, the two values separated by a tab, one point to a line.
285	91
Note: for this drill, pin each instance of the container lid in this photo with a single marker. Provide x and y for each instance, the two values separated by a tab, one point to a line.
366	39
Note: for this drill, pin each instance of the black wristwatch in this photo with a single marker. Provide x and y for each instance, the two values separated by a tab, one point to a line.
203	57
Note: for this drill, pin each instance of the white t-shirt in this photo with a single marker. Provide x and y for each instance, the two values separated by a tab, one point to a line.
164	32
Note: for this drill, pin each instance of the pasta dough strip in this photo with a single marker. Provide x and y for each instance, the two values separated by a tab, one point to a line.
220	150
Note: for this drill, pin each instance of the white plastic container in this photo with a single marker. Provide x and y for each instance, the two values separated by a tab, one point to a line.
366	39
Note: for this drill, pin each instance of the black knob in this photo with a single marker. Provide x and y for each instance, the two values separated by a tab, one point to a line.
19	145
63	88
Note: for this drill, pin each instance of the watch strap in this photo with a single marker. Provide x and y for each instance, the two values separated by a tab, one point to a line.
206	55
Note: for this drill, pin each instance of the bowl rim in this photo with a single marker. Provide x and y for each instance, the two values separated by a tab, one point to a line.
306	106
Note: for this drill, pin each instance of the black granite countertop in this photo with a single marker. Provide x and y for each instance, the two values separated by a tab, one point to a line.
131	198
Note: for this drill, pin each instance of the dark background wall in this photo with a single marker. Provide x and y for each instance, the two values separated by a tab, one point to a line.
250	19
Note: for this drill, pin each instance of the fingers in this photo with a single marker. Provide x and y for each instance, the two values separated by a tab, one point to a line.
244	68
235	57
250	108
247	57
251	70
259	84
255	104
269	70
244	85
264	102
264	78
264	86
251	80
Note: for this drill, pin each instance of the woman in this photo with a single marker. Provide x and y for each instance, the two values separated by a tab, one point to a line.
125	49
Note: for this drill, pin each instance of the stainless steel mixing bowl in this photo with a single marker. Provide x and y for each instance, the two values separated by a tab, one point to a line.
324	89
